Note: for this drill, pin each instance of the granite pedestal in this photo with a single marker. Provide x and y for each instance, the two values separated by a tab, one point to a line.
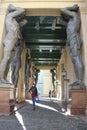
78	101
6	99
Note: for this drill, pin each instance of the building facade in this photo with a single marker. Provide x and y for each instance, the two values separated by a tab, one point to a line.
49	8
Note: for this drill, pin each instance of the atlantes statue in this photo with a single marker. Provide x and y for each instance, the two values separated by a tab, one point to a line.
71	19
16	63
14	20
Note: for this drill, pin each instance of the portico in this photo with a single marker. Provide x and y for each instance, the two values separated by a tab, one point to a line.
47	8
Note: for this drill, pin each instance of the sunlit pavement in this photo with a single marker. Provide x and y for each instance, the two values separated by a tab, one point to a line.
47	116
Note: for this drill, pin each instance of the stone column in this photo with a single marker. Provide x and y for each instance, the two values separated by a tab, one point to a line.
84	40
57	87
59	82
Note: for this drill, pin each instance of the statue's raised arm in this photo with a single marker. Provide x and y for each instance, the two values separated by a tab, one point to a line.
68	11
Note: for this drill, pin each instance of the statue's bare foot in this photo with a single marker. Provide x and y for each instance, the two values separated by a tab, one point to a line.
74	83
77	85
3	81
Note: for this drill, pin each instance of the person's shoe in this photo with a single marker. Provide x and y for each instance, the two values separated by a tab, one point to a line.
34	108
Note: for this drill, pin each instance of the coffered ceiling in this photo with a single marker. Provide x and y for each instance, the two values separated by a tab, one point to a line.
45	38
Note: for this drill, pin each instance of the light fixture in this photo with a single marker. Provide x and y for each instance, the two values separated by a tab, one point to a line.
64	75
50	50
40	50
54	24
37	26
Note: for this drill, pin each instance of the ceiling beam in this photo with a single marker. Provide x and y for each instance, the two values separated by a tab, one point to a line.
43	47
45	55
44	30
45	36
39	61
45	59
45	67
46	51
46	64
43	26
45	42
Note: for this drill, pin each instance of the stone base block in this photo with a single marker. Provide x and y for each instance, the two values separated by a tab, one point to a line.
78	101
78	111
6	109
6	99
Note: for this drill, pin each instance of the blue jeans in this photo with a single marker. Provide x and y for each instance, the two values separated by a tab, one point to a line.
33	100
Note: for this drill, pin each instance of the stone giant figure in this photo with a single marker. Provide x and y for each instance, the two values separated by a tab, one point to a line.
16	63
70	17
12	35
53	77
27	70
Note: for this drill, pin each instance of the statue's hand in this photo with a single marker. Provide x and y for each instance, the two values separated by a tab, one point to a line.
23	22
11	8
75	7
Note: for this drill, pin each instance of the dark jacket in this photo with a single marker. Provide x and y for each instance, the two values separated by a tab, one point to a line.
33	91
